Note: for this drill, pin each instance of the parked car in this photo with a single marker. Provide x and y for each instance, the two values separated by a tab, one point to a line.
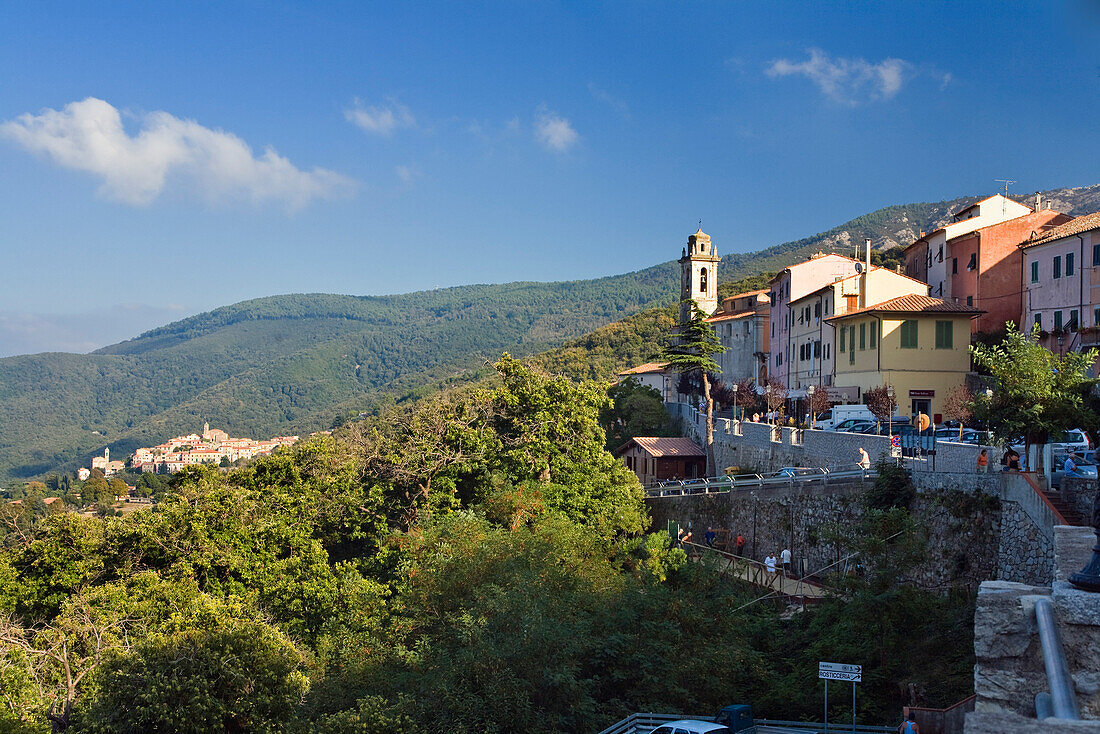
691	726
1086	468
849	425
830	419
794	471
1074	439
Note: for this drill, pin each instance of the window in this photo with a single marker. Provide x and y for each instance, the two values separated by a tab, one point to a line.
1096	317
939	255
817	349
862	336
1073	319
843	333
1057	319
817	310
827	302
943	335
1035	271
1069	264
909	334
973	264
703	280
1095	255
874	333
1057	266
954	265
827	350
1039	320
851	344
970	300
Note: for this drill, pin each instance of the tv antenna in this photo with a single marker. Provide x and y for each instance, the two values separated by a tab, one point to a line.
1007	182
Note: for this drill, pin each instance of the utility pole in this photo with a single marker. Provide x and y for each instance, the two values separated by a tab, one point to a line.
1007	182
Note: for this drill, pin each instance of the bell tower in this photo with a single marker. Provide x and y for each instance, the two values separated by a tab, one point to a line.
698	275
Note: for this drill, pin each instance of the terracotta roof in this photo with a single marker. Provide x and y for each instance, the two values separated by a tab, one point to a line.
658	447
811	259
912	304
857	275
644	368
730	316
756	292
1070	228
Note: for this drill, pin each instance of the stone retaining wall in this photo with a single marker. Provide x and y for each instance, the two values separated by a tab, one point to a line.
962	533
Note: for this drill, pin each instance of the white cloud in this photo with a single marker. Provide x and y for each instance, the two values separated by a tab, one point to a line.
407	174
381	120
89	136
848	81
554	131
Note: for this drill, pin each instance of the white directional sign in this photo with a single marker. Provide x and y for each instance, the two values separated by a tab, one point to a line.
840	671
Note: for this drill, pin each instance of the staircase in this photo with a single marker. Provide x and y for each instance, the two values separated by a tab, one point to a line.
1069	515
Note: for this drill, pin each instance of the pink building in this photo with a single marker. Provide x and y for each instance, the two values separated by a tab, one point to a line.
790	285
1062	278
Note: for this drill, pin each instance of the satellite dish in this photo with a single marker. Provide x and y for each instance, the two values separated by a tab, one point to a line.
859	268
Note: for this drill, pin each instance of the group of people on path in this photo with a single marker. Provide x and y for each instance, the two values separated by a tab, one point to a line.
772	563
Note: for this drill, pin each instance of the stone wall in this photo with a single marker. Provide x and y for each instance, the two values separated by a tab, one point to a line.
1079	495
962	531
1009	669
762	447
1024	554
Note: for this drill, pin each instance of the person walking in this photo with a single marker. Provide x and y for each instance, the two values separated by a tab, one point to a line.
983	462
864	459
769	566
740	544
908	726
785	560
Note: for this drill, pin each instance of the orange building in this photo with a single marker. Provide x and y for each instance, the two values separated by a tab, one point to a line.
985	268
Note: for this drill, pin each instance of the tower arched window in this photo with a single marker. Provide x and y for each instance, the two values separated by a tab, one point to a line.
703	280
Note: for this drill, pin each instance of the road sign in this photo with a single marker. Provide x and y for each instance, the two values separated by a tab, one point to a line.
895	452
895	441
840	671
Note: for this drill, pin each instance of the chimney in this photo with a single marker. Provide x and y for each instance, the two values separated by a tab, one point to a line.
866	279
1038	201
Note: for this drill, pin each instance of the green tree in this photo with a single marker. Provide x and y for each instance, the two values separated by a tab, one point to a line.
1036	392
691	349
243	677
95	489
636	410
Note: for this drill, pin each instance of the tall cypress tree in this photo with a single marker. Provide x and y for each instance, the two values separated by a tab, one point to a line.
690	349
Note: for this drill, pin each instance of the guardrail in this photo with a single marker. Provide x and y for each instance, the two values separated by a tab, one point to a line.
645	723
714	485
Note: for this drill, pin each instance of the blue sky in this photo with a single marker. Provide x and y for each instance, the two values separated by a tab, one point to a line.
160	159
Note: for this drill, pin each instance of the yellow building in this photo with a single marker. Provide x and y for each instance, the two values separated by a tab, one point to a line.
917	344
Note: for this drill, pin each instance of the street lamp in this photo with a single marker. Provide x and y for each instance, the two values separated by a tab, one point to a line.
810	407
735	401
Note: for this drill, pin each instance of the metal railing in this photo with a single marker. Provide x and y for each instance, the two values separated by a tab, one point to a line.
713	485
1063	700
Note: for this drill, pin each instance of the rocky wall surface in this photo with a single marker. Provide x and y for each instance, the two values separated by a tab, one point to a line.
961	531
1024	554
1079	495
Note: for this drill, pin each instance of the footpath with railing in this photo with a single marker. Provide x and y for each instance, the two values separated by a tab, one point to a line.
799	475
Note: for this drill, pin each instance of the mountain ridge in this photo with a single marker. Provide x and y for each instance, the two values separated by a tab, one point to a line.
291	363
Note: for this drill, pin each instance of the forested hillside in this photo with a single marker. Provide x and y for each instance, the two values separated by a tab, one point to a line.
474	563
294	363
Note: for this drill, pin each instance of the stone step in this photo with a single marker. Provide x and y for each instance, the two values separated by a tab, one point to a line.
1071	516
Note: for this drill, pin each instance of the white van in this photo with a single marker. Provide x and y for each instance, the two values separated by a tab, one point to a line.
830	419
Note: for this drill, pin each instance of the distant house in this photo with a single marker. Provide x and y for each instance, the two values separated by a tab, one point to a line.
658	459
656	375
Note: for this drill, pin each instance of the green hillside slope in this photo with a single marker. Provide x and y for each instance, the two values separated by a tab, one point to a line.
290	364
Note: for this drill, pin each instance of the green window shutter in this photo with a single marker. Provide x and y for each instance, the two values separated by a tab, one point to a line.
944	335
843	332
1057	266
874	333
863	336
909	334
1069	263
1035	272
1057	319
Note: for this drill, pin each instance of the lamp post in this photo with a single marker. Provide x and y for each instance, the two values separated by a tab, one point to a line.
890	421
734	401
810	407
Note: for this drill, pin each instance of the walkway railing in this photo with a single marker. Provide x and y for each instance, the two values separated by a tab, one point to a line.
759	574
711	485
645	723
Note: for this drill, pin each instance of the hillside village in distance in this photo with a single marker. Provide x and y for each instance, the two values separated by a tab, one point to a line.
214	447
